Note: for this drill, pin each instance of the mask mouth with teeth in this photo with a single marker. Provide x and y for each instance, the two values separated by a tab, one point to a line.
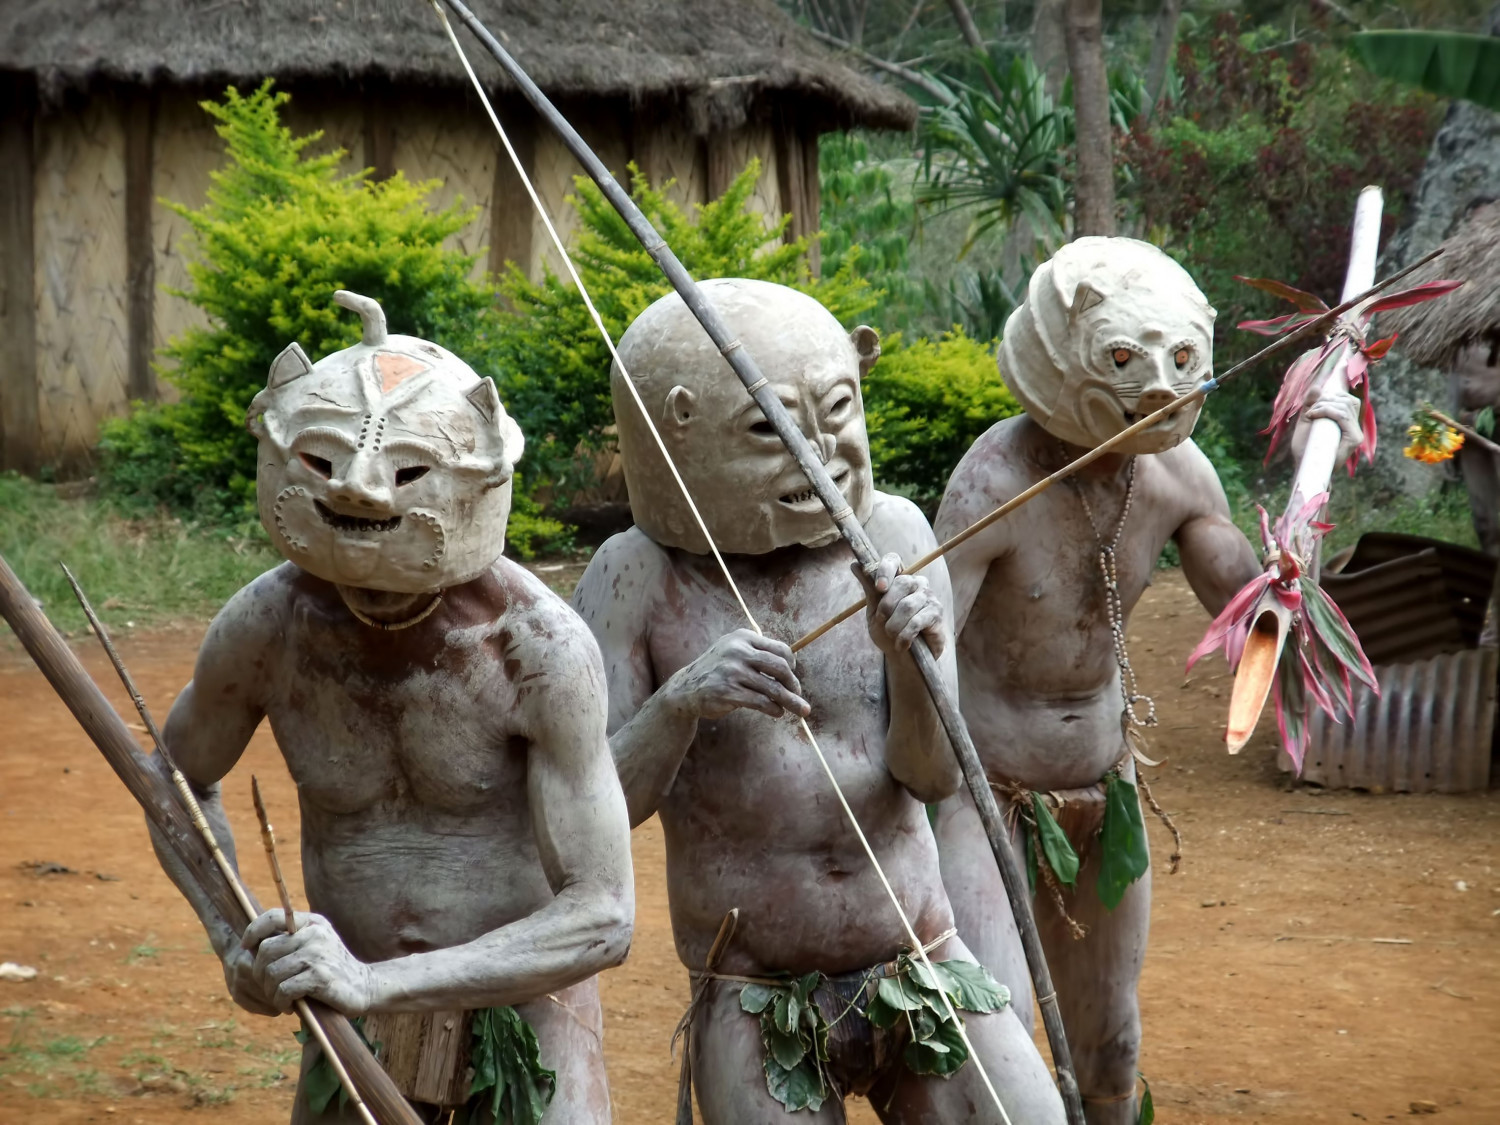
386	466
1111	330
753	497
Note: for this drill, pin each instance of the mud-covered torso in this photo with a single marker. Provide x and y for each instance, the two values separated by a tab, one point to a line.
409	750
1038	680
751	820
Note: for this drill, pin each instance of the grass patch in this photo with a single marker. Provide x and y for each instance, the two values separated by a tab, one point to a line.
54	1067
146	951
135	571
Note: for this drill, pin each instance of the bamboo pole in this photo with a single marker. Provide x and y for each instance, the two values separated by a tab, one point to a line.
1272	622
268	841
1321	324
171	818
811	463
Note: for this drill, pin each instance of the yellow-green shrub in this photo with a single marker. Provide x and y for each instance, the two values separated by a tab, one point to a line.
925	403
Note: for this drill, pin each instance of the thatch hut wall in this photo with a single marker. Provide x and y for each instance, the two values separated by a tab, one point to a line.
80	283
100	123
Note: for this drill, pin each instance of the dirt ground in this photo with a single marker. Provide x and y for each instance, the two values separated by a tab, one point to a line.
1322	956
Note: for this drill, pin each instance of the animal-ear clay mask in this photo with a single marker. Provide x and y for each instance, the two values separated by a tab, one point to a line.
385	466
751	493
1111	330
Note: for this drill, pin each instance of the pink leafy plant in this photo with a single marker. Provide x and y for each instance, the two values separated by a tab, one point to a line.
1345	344
1322	658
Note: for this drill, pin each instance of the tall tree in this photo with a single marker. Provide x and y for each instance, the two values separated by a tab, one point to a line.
1167	18
1049	44
1094	186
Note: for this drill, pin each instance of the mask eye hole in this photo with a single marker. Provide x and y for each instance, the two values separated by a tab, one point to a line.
1182	357
1121	356
413	472
763	427
320	465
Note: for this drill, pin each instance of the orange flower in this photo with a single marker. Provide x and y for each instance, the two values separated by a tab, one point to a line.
1432	442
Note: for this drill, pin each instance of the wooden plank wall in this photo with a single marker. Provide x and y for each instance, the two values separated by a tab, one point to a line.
20	434
82	325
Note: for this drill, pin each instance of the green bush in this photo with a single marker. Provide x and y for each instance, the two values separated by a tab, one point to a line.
926	402
280	231
553	366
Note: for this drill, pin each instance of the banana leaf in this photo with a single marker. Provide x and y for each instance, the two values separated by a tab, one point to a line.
1452	64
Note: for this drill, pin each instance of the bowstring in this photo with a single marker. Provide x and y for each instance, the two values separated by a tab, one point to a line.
567	259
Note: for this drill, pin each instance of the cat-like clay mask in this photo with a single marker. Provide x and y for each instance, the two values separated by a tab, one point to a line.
1111	330
385	466
751	493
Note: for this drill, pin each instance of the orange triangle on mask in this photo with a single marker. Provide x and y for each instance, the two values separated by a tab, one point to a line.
396	369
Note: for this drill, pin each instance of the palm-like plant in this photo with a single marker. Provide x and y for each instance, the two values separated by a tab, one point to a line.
1002	157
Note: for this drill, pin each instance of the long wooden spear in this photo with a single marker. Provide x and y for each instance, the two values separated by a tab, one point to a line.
758	387
1317	326
170	815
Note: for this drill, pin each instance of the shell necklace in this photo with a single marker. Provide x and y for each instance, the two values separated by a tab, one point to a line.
1114	606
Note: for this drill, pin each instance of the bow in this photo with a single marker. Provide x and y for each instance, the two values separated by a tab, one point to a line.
758	387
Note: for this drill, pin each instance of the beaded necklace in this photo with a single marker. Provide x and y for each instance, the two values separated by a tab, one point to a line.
1114	606
396	626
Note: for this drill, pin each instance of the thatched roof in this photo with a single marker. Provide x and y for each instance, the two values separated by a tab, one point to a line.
1432	334
723	57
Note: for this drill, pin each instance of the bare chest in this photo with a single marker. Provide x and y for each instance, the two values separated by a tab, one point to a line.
435	731
747	763
1046	609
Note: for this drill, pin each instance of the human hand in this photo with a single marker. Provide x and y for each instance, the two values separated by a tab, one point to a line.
311	962
902	607
244	987
1342	408
740	669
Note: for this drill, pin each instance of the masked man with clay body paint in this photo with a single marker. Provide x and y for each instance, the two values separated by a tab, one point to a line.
464	837
703	718
1111	330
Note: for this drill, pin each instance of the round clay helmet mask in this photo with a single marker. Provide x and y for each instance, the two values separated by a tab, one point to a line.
385	466
752	495
1111	330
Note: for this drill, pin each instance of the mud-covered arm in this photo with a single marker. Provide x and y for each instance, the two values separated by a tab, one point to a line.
208	728
1217	559
652	728
583	840
969	497
917	751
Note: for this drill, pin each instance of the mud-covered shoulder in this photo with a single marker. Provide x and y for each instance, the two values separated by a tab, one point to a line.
543	625
622	580
896	524
994	467
257	613
1185	476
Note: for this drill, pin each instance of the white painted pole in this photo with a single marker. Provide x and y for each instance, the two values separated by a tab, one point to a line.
1315	470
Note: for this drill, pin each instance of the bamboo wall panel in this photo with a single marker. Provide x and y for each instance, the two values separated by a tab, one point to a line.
186	152
553	171
81	325
20	448
339	115
670	153
729	152
456	146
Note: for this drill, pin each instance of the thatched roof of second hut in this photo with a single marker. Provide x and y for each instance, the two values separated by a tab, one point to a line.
719	56
1433	333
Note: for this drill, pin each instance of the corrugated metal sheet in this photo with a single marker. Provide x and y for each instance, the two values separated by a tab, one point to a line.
1409	597
1430	729
1417	606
